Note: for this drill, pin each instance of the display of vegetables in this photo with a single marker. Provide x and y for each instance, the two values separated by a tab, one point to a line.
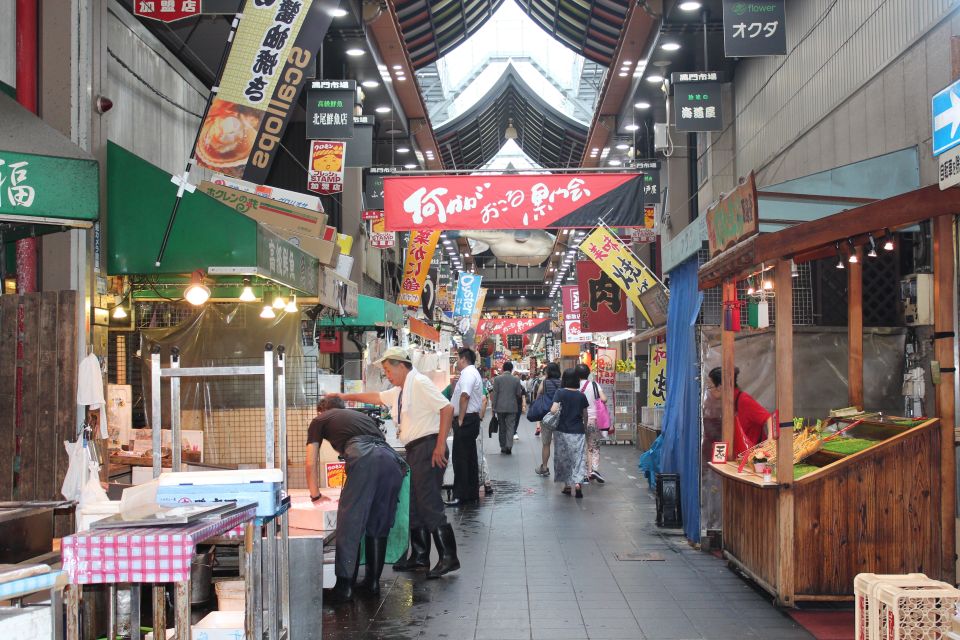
806	442
626	366
848	446
800	470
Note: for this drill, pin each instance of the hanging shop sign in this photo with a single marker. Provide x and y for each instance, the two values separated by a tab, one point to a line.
734	217
270	57
696	101
34	186
330	109
281	261
512	326
949	168
618	262
419	256
572	329
603	304
657	378
637	235
166	10
752	29
945	106
373	186
468	292
511	201
379	238
326	167
360	149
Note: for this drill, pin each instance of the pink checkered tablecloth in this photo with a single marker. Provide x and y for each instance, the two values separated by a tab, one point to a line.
148	554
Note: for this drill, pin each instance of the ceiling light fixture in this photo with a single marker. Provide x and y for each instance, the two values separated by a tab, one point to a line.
291	306
268	312
336	12
631	127
119	313
397	66
690	5
643	104
873	247
840	264
409	166
622	146
853	259
247	295
382	109
196	293
614	163
623	74
670	46
654	78
510	133
355	52
403	149
370	84
888	241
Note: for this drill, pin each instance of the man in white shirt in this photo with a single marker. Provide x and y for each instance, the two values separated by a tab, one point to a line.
467	400
423	418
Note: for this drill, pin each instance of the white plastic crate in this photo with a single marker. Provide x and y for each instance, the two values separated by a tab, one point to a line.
864	590
922	612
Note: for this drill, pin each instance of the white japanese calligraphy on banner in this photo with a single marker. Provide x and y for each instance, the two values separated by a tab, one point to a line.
13	184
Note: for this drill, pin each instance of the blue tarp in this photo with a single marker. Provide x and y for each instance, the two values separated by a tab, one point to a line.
681	416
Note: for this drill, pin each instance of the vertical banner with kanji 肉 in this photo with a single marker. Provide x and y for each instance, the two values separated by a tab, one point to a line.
419	256
603	304
325	174
657	379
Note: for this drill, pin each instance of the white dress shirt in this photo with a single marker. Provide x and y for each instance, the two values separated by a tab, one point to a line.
470	383
415	408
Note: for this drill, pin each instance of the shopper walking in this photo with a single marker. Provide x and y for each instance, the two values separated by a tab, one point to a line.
423	417
467	402
569	442
547	388
594	395
368	501
520	401
507	391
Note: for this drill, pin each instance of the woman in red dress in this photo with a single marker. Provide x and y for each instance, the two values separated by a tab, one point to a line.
752	422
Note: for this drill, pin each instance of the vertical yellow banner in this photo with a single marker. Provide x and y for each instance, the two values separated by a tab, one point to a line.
657	380
618	262
419	256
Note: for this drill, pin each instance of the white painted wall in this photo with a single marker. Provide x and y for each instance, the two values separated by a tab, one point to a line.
8	42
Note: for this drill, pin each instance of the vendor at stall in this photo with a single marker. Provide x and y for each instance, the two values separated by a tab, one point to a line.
368	501
752	423
423	418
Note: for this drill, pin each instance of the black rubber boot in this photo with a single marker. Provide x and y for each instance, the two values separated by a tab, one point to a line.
342	591
419	555
376	555
447	546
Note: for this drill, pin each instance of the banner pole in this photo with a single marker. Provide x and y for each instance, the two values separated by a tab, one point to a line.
183	182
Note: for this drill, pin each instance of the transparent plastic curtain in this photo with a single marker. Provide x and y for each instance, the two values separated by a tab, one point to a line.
681	416
230	410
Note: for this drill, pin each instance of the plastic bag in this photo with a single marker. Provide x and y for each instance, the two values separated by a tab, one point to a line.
76	471
93	491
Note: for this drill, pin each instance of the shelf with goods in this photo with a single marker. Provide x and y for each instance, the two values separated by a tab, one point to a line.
624	409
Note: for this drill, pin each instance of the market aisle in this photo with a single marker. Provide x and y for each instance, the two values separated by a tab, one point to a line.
537	564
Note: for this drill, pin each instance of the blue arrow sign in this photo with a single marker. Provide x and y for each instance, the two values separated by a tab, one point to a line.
946	118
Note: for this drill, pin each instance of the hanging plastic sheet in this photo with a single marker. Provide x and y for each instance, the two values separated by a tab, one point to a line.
230	410
681	416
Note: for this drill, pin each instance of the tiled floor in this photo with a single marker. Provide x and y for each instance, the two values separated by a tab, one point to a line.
538	564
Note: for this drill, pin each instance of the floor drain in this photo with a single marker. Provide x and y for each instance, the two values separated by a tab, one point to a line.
639	557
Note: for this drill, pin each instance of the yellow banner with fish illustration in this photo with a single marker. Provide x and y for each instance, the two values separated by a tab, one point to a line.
419	256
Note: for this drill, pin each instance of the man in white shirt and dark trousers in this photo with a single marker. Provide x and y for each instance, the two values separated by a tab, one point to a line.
423	418
467	400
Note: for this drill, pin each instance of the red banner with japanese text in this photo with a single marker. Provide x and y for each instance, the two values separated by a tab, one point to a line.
512	201
603	304
419	256
166	10
513	326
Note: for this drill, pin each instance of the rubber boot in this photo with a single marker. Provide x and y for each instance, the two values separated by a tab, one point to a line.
342	591
376	555
447	547
419	555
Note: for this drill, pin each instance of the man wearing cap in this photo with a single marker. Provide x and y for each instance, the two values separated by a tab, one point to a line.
423	418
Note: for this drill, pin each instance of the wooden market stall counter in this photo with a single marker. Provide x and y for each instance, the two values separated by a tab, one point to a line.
871	511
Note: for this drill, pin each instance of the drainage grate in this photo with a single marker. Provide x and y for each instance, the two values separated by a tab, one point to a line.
650	556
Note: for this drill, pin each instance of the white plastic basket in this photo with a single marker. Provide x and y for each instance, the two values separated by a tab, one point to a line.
231	595
922	612
864	587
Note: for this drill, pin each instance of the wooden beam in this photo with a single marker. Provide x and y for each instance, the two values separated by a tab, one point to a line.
943	301
812	197
784	340
855	330
731	264
728	365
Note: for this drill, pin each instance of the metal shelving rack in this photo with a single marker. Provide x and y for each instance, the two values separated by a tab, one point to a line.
625	409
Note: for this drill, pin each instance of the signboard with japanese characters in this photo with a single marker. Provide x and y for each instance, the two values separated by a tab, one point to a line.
734	217
373	186
48	187
572	329
166	10
696	101
271	55
511	201
638	235
295	198
419	256
618	262
657	379
949	168
512	326
754	28
285	263
379	238
330	109
326	167
603	304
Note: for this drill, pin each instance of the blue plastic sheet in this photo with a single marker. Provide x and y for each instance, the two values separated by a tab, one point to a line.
680	451
650	462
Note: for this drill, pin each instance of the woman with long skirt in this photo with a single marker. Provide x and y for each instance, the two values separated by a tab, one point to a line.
569	439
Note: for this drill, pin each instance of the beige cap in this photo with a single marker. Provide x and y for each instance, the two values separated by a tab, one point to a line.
395	353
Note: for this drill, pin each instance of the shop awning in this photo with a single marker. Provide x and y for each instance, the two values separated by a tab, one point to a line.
46	178
207	235
372	312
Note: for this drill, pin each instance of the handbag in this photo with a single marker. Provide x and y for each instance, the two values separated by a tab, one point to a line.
550	421
603	414
494	426
539	408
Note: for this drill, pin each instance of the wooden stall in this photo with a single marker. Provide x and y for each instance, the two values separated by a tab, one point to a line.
887	508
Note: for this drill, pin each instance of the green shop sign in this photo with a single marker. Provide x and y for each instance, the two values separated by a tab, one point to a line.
50	189
733	218
286	263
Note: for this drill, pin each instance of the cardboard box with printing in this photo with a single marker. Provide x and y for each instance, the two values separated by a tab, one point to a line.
324	250
270	212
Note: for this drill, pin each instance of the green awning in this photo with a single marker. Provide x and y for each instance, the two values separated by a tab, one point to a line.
206	235
371	312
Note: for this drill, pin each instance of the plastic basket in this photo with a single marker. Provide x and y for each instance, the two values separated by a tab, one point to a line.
922	612
231	595
864	586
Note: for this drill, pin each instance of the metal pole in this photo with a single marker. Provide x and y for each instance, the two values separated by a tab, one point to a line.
175	444
268	412
282	409
155	423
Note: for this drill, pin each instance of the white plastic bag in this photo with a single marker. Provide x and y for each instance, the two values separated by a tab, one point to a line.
76	471
93	491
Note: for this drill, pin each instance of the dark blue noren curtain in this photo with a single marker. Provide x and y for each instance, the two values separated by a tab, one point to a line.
681	417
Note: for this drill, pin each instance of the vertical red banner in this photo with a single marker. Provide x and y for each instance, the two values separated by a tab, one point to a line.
603	304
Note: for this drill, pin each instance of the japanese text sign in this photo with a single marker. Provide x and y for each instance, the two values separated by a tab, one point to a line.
512	326
657	379
166	10
326	167
618	262
419	256
511	201
754	28
733	218
330	109
572	329
468	291
696	104
271	54
373	186
279	260
719	452
603	304
379	238
50	187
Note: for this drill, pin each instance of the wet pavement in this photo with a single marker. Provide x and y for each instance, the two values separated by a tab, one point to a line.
537	564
